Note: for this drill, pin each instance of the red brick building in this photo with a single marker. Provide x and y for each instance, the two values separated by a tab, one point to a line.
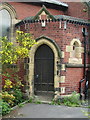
59	60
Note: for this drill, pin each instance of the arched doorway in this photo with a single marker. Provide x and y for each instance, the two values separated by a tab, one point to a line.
55	52
44	71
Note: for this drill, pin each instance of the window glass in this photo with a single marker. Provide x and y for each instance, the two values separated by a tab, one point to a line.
75	48
5	22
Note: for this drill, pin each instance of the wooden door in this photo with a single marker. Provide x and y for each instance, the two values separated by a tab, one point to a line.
44	70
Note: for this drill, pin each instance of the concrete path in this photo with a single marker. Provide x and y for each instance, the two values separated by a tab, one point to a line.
47	111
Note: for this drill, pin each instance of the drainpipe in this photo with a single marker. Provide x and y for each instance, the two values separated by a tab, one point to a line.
85	55
84	71
84	35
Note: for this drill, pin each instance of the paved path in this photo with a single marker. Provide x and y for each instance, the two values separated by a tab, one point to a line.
47	111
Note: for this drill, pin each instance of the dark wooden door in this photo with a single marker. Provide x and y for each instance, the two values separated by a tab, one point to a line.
44	70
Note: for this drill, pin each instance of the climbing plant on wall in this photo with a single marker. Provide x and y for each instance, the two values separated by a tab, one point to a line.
11	53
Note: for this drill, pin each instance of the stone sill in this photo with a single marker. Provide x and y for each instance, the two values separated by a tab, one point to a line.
68	65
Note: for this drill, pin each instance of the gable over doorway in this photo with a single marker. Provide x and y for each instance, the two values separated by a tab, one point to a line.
43	77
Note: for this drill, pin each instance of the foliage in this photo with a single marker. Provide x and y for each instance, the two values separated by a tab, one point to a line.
8	84
8	51
0	104
20	105
25	39
11	81
71	101
34	100
11	53
18	96
38	102
9	98
53	102
5	108
31	100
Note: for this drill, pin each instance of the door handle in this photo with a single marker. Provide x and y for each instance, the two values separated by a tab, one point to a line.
37	76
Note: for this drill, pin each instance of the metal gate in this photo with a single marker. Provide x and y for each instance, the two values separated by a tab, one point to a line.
44	70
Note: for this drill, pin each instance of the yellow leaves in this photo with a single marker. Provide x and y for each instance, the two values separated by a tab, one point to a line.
11	62
9	98
22	51
1	52
5	61
18	50
10	43
8	84
6	53
11	86
10	53
15	57
19	32
19	83
25	39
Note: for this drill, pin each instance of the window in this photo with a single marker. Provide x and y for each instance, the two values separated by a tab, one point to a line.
5	22
75	50
8	19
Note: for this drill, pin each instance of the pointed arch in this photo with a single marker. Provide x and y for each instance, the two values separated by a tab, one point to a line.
10	9
13	15
52	45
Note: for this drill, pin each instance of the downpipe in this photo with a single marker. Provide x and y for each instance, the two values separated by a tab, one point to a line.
84	71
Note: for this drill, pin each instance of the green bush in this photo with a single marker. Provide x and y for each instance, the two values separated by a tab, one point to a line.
9	98
72	100
0	107
21	105
18	96
53	102
31	100
5	108
38	102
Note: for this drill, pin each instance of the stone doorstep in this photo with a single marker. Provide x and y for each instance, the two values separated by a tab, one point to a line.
46	102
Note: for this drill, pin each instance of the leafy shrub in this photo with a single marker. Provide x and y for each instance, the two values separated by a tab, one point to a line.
18	96
0	110
8	84
72	100
11	80
38	102
31	100
20	105
5	108
9	98
53	102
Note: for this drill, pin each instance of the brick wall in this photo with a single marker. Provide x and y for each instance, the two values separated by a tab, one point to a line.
24	10
62	37
75	9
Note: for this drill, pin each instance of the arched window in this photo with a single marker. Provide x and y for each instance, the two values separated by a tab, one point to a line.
5	22
8	19
75	50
